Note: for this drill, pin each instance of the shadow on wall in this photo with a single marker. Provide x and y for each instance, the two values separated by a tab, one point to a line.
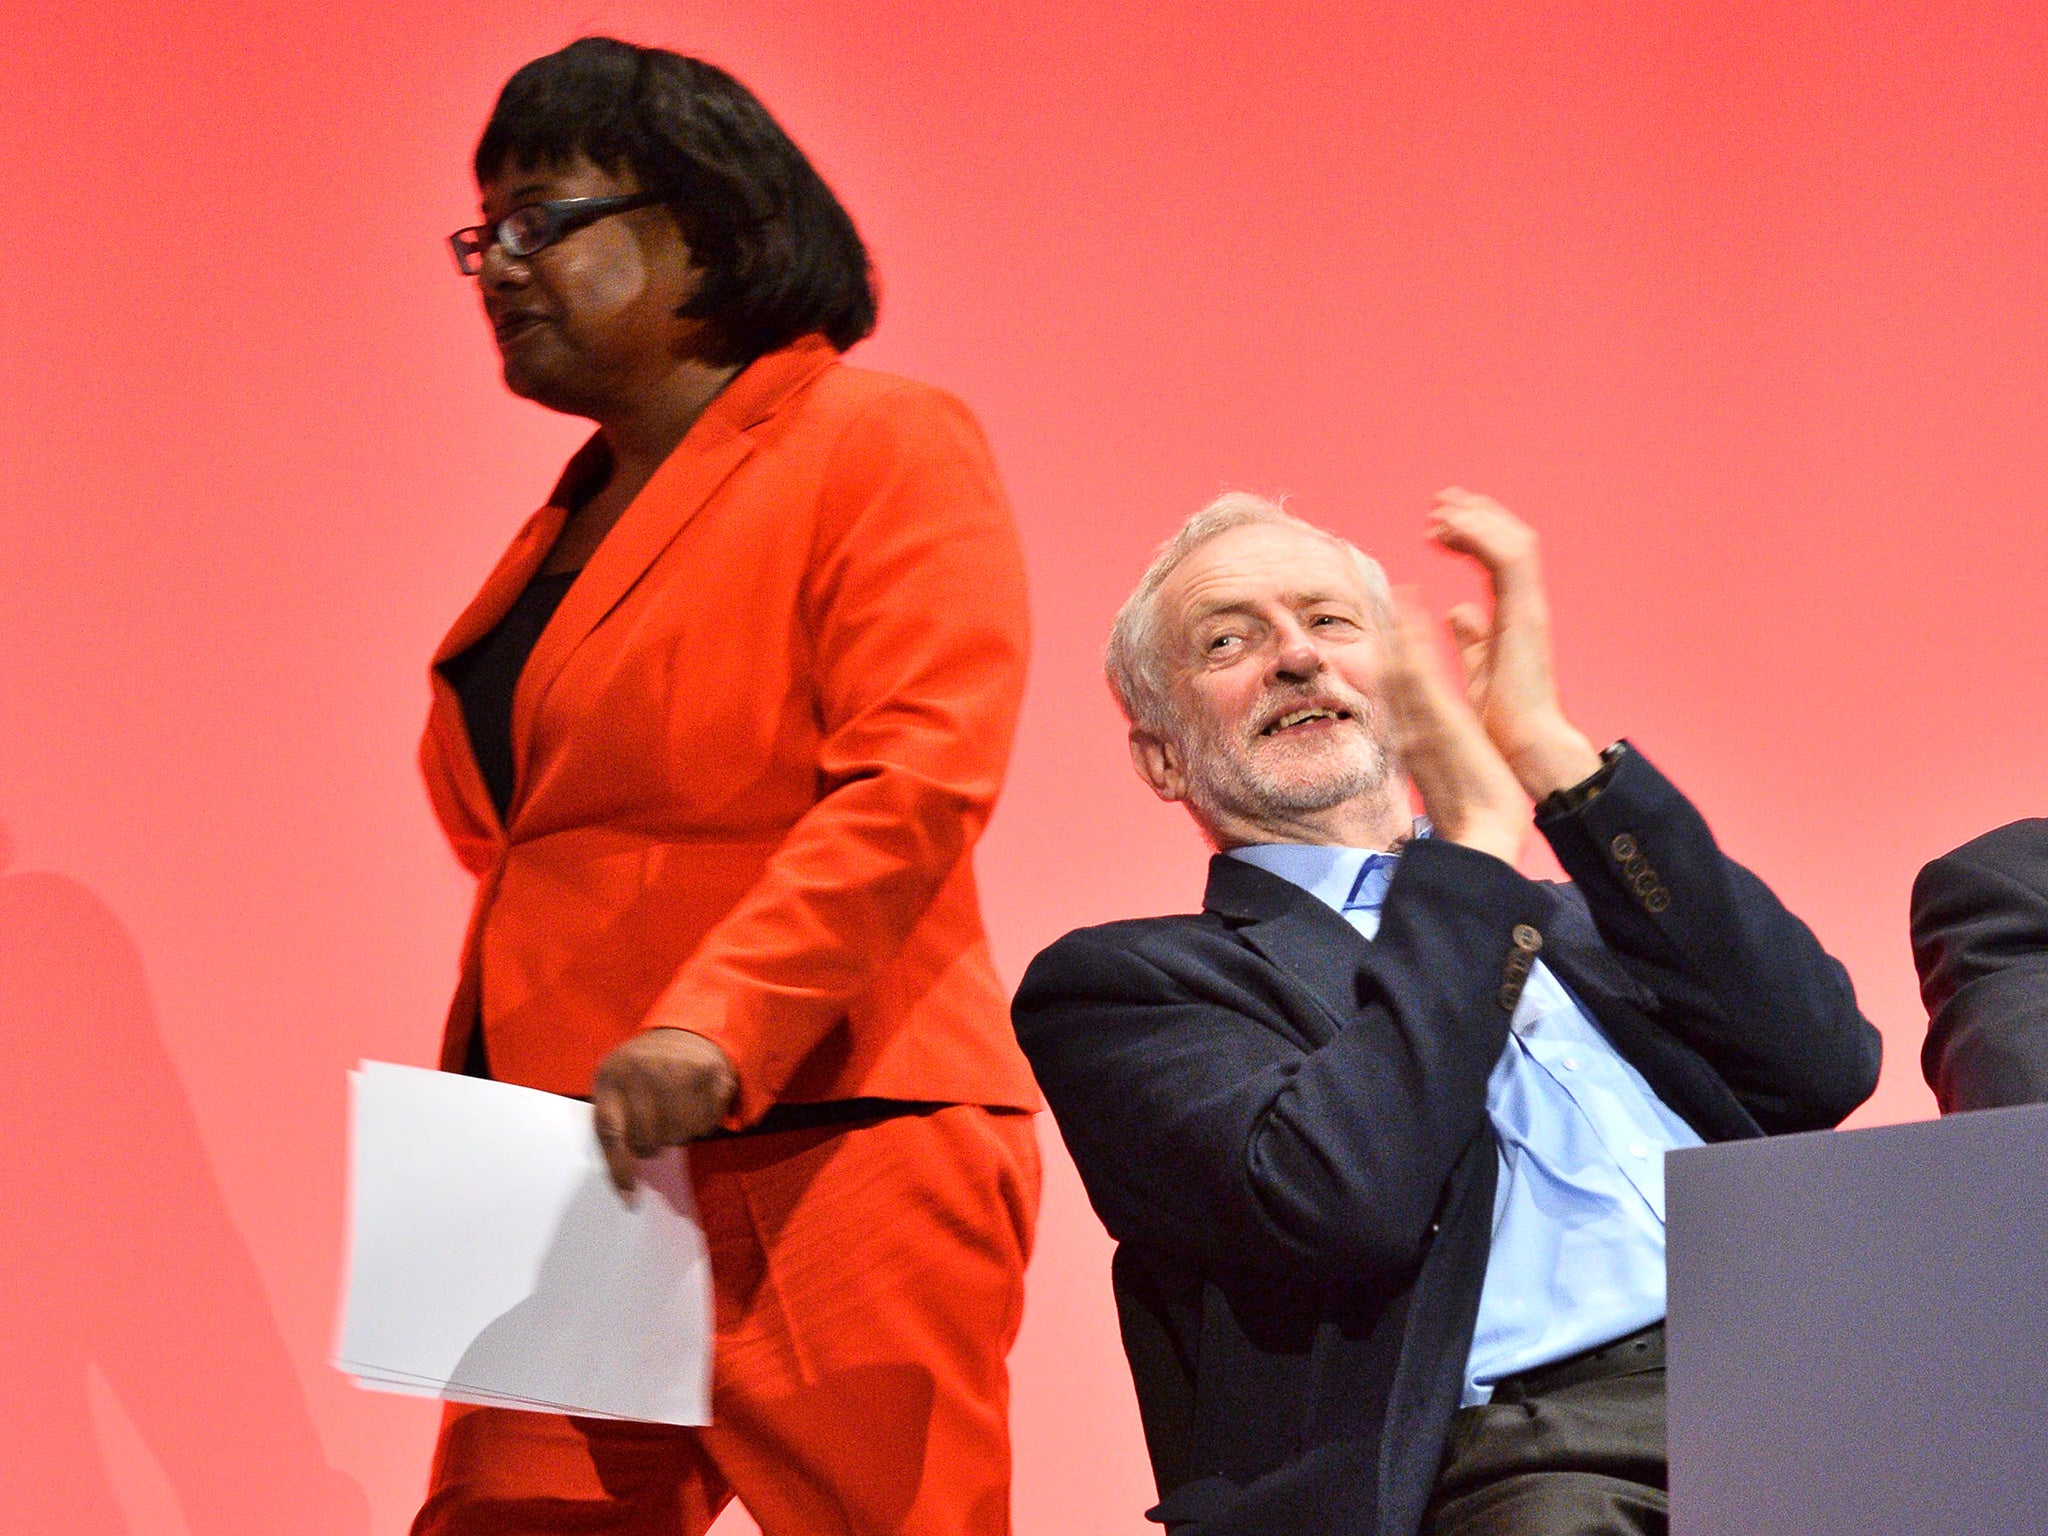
120	1258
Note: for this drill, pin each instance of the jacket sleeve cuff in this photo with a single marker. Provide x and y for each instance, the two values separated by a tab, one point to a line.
1594	836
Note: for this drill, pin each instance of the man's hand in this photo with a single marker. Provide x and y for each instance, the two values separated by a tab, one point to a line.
1467	789
1507	654
660	1089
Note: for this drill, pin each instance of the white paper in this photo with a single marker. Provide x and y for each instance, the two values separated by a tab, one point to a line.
490	1259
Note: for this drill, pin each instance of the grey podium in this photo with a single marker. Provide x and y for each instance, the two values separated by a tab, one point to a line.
1858	1331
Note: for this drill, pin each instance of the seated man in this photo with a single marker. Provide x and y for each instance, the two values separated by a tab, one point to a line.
1980	939
1380	1132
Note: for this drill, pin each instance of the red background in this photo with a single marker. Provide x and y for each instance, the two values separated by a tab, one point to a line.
1741	304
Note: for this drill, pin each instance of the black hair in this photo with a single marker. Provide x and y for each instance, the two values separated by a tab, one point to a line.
781	257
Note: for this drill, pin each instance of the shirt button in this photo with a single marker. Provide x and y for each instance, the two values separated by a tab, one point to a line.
1637	1149
1571	1063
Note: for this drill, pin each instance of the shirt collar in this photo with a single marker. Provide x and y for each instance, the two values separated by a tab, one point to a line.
1338	877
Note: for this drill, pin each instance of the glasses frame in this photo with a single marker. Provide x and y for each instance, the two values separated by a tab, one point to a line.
560	218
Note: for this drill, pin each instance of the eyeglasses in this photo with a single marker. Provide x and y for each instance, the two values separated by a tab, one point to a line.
525	231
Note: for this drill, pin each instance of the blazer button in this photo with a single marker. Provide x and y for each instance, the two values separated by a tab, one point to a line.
1527	938
1509	995
1657	900
1623	847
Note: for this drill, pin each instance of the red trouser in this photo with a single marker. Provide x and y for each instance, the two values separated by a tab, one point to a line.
868	1285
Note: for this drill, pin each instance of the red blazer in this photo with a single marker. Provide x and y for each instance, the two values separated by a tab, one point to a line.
754	749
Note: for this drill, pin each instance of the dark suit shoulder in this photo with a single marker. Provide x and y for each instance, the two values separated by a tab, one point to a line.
1146	959
1204	950
1982	902
1980	942
1149	936
2017	852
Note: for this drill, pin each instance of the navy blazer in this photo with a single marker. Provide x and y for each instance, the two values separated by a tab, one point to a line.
1284	1126
1980	940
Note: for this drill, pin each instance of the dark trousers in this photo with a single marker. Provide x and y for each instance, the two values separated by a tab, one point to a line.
1570	1449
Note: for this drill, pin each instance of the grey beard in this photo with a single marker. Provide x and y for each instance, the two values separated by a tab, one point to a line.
1240	791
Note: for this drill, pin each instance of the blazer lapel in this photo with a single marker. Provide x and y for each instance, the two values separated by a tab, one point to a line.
1300	935
716	445
507	580
501	589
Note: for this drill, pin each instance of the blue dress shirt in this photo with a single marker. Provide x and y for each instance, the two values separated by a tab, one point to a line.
1578	1211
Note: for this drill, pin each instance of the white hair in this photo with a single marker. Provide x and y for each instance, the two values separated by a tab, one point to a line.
1132	661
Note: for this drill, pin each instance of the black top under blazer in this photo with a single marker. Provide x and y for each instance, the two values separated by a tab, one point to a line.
1980	939
1284	1126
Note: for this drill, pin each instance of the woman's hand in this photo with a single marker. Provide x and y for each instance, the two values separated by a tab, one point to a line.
1506	654
1467	790
660	1089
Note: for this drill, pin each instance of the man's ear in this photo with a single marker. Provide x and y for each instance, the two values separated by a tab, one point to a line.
1158	763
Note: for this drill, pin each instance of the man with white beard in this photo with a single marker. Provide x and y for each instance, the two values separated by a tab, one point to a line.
1380	1131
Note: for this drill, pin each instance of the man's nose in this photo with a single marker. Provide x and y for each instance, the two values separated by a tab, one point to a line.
1295	656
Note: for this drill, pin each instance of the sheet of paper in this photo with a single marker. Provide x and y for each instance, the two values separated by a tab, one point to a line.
491	1261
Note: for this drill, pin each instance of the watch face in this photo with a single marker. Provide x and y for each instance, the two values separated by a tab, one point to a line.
1560	802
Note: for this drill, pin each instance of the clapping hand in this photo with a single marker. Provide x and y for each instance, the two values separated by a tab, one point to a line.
1467	789
1506	653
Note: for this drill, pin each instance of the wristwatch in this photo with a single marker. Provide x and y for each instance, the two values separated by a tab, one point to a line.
1562	802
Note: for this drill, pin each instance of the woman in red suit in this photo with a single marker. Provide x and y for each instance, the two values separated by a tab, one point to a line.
717	739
